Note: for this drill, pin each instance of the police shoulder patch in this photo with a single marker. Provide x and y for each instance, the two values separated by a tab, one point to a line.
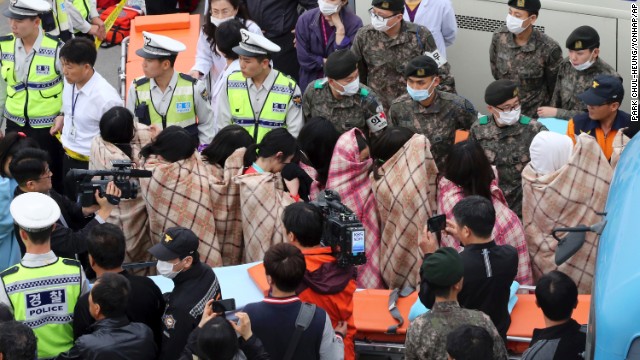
205	94
297	100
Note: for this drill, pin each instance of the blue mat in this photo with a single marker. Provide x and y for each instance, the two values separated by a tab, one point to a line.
555	125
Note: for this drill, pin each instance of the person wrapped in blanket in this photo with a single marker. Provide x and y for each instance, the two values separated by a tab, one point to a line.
317	141
177	194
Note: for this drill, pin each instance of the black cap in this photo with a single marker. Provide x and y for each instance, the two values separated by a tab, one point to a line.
584	37
177	242
443	268
500	91
393	5
340	64
421	66
604	89
528	5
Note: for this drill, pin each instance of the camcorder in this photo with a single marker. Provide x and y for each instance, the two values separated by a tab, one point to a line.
342	230
120	174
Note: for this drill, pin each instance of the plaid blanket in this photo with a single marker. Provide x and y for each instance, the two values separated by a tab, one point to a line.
316	187
178	194
567	197
507	229
619	142
350	178
405	198
131	214
263	201
225	202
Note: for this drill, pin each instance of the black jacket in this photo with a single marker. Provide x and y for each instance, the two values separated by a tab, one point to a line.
561	342
277	17
252	348
114	339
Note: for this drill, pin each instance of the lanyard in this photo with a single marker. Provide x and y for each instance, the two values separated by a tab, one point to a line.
324	30
74	101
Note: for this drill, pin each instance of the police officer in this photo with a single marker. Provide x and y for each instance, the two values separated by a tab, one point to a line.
576	74
42	289
604	117
340	97
31	82
429	111
386	45
505	136
165	97
258	97
521	53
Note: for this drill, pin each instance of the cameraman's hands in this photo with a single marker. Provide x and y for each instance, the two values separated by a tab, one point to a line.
243	327
207	314
105	206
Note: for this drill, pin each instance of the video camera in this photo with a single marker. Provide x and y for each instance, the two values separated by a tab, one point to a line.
342	230
120	174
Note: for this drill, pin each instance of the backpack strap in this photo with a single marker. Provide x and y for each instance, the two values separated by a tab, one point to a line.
305	315
393	307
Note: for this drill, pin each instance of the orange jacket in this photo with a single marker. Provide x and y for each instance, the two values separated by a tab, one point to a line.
583	124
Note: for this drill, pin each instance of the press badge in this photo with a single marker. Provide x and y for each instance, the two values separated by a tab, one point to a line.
42	69
183	107
46	303
279	108
435	55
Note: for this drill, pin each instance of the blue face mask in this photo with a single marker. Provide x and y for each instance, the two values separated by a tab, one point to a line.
420	95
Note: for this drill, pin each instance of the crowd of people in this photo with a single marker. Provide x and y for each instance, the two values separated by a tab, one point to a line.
224	165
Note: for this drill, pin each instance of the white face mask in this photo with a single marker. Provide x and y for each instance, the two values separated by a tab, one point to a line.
380	24
508	117
515	25
165	269
584	66
326	8
350	89
215	21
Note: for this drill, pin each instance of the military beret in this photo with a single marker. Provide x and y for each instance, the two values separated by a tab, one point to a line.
393	5
340	64
421	66
500	91
528	5
443	268
584	37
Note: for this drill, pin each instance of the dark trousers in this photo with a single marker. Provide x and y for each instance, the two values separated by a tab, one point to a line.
69	163
286	60
47	143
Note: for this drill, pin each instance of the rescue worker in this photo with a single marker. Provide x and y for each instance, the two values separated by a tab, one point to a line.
604	117
429	111
31	82
576	74
42	289
521	53
505	135
340	97
165	97
386	45
257	97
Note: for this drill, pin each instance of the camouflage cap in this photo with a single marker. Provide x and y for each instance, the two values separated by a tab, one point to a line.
500	91
528	5
393	5
443	268
584	37
421	66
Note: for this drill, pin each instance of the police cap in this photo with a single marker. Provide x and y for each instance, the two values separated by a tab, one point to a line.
500	91
254	45
340	64
443	268
421	66
159	46
584	37
176	242
34	211
22	9
393	5
532	6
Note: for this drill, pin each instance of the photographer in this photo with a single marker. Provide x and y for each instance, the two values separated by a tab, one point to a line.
30	169
303	223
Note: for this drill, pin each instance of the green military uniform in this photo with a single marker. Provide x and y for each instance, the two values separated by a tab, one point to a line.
438	122
508	150
345	113
534	66
383	59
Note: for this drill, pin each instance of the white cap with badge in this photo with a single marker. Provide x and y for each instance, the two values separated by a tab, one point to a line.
22	9
255	45
158	46
34	211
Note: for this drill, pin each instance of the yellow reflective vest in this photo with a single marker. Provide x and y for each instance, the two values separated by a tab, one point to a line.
181	110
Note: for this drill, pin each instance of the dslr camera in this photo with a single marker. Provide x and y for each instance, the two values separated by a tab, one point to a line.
342	230
120	174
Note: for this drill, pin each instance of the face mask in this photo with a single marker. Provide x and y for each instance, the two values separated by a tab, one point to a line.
508	117
515	25
380	25
584	66
215	21
165	269
419	95
326	8
351	88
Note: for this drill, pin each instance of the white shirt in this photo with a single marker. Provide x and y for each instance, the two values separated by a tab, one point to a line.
258	95
39	260
217	88
439	18
82	122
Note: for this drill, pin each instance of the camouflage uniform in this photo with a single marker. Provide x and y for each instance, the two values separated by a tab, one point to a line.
438	122
534	66
383	59
508	150
572	82
427	335
346	113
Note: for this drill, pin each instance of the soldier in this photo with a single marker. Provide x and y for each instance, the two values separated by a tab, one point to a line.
576	74
523	54
165	97
505	136
429	111
386	45
340	97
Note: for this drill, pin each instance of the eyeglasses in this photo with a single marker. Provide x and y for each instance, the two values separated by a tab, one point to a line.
48	176
509	108
378	17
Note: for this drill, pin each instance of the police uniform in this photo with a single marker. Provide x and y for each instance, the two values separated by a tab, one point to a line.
383	58
347	111
43	289
533	65
571	81
440	119
507	147
31	84
277	103
185	101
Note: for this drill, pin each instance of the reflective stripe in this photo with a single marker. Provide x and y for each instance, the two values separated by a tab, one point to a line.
47	52
487	263
43	121
270	124
19	286
10	57
38	85
49	320
237	84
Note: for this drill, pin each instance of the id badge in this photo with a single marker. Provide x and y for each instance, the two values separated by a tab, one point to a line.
72	133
